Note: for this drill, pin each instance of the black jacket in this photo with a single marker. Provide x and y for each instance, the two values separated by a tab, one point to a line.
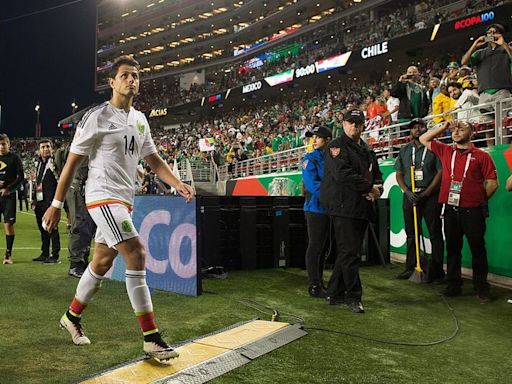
347	178
48	180
404	109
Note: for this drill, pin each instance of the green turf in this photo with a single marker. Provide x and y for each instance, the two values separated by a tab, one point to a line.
34	350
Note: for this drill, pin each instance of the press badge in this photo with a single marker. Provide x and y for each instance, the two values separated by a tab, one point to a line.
418	174
39	192
454	194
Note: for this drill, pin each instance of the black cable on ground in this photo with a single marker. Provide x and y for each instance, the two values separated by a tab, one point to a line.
392	342
276	315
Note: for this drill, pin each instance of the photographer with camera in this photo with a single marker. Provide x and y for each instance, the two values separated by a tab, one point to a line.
414	102
492	58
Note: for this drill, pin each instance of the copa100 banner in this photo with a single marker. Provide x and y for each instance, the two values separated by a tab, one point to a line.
167	228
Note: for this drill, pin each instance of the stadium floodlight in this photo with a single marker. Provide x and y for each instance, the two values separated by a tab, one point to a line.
37	108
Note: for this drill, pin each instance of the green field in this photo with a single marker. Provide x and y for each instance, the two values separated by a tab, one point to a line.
34	350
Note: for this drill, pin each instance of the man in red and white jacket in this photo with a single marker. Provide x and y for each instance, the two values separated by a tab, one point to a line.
468	182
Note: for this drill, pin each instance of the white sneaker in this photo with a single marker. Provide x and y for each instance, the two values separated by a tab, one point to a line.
159	350
75	330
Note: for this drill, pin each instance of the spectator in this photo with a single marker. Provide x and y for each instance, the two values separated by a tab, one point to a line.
412	96
452	73
442	106
393	104
492	58
464	100
433	89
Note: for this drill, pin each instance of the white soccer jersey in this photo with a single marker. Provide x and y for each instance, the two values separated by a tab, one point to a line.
115	141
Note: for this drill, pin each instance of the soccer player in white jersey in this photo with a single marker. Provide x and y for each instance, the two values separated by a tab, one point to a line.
115	136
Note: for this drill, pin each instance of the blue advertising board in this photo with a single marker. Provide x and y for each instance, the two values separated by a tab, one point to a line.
167	228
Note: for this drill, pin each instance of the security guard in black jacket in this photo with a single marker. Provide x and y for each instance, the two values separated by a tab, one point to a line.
46	185
352	182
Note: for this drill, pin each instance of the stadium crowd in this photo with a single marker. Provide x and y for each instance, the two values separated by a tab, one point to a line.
281	124
344	34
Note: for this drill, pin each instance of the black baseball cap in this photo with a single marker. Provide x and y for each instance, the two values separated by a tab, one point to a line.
320	131
355	116
413	122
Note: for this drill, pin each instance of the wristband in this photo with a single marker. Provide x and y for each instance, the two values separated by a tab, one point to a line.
57	204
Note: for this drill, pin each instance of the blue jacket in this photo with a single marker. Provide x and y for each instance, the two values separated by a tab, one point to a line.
312	175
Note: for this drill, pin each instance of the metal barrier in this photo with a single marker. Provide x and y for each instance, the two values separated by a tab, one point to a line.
492	122
284	161
200	170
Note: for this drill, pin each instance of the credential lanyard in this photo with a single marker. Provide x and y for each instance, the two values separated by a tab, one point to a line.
422	157
466	167
46	168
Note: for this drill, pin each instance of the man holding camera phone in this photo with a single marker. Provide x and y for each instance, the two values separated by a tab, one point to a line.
414	102
492	58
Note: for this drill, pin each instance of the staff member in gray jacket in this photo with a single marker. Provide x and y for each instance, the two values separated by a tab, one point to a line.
427	177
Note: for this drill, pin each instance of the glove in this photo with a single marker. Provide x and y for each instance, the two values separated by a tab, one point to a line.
412	197
421	197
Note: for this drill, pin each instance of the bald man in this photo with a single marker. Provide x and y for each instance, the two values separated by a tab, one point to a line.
412	95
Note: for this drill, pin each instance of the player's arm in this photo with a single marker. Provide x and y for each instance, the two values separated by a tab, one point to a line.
427	138
161	168
52	215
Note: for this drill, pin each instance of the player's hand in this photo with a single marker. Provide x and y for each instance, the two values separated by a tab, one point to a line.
51	219
4	192
185	190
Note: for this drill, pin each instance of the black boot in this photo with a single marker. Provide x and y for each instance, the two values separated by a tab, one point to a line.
317	291
41	258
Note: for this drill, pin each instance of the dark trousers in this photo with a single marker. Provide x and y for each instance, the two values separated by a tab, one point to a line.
430	210
469	222
22	197
345	281
46	237
318	243
82	228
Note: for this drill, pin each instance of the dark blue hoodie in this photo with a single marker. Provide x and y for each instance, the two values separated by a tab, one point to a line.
312	175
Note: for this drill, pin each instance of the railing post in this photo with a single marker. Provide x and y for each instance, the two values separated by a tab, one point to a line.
498	123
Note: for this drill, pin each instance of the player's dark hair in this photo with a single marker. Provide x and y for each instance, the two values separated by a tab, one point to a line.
4	137
122	60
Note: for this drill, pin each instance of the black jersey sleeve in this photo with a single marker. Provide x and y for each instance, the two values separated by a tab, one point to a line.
19	174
